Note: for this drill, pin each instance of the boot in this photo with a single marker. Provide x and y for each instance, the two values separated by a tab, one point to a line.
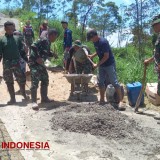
34	99
23	92
44	97
12	94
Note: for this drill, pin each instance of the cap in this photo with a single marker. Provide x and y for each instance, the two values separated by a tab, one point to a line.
91	33
63	21
156	20
77	43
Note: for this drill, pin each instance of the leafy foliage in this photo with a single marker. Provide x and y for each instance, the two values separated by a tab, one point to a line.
106	18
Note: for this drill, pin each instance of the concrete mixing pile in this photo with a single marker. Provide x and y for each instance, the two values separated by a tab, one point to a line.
94	119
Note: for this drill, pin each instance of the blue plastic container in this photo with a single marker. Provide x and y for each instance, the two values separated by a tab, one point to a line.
133	90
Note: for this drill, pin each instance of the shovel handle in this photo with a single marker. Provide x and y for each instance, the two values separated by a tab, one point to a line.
142	89
90	60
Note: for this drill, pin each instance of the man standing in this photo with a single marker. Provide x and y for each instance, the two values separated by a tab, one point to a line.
43	27
67	43
20	35
11	50
106	66
156	56
40	51
28	35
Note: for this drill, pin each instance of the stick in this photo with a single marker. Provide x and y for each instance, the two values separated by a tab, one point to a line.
142	89
90	60
86	53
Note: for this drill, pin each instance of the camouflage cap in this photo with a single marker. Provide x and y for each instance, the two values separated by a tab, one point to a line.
156	20
77	43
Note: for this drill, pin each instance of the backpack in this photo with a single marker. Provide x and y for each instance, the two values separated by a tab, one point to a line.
28	31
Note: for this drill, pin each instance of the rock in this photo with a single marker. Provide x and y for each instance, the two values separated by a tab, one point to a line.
157	117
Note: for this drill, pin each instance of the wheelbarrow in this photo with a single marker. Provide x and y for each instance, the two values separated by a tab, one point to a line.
78	83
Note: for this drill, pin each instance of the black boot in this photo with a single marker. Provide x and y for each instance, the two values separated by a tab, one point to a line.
34	99
44	97
23	91
12	94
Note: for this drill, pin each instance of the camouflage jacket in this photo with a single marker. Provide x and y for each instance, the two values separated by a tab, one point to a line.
157	51
40	49
11	48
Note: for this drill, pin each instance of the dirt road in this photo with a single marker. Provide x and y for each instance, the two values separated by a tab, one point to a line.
130	136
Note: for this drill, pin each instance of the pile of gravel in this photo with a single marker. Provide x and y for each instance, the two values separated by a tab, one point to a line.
94	119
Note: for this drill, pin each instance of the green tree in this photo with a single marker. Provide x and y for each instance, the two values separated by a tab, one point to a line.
81	11
105	18
141	13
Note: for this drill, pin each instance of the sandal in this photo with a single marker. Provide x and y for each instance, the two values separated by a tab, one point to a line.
101	102
122	106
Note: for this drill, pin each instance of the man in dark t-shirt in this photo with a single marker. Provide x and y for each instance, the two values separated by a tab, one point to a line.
106	66
67	43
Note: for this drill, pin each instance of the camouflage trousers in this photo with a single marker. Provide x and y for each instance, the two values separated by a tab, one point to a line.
85	67
28	41
38	73
10	68
23	65
158	87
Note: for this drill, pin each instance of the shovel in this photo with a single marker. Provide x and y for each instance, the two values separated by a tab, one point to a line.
86	53
141	91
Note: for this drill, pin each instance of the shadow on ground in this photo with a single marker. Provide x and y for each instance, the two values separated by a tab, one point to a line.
52	105
90	96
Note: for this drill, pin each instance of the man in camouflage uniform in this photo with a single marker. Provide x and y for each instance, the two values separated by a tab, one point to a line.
20	35
43	27
11	50
79	55
28	35
156	56
40	51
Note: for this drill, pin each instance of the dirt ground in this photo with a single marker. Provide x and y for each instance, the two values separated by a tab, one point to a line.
79	130
82	130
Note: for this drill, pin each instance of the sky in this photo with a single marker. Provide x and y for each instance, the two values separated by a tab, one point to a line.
118	2
112	38
126	2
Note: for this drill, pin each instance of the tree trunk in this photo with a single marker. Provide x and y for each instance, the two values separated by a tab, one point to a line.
85	19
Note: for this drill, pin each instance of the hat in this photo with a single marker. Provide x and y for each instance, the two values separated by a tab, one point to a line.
77	43
156	20
64	22
91	34
45	22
